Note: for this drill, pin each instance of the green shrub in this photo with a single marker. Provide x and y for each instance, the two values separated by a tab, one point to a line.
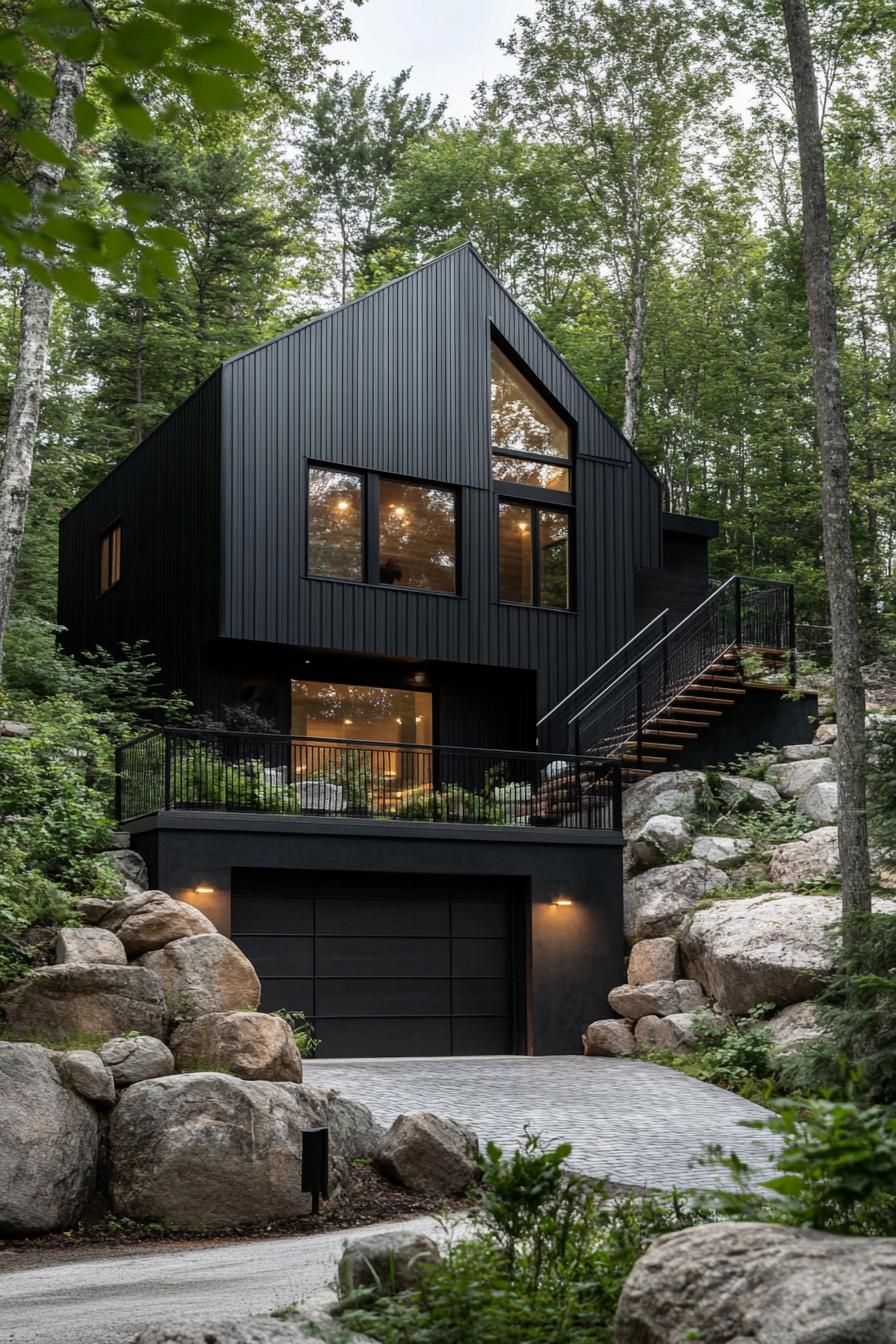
836	1171
302	1030
549	1254
736	1055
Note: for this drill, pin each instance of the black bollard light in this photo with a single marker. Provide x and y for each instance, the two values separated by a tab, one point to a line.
316	1165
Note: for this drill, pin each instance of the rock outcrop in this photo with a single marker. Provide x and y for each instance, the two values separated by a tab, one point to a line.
50	1141
796	778
820	803
59	1001
129	865
674	793
656	902
133	1059
429	1154
205	973
770	948
726	1282
815	855
658	997
722	851
653	959
793	1025
608	1037
152	919
390	1262
660	839
249	1045
85	1072
89	947
675	1032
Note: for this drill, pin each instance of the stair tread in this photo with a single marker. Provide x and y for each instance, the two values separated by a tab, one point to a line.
701	713
704	700
729	690
684	723
653	760
665	746
666	732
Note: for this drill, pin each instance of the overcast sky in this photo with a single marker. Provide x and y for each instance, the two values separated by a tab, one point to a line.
451	47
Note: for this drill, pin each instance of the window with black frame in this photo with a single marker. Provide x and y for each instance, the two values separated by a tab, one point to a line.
531	447
382	529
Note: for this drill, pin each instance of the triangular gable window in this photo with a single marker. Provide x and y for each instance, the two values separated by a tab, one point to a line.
528	436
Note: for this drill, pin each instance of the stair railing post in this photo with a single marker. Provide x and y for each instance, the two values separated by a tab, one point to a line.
665	628
167	770
738	618
639	712
791	632
119	766
617	797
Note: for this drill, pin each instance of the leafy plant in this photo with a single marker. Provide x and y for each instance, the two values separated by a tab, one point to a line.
736	1055
836	1170
302	1031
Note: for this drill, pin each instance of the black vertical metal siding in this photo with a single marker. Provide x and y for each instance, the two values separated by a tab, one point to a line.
165	495
399	382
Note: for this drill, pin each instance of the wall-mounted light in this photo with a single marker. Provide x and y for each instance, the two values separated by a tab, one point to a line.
419	678
204	891
561	900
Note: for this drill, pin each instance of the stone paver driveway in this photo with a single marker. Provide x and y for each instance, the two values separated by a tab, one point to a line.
635	1123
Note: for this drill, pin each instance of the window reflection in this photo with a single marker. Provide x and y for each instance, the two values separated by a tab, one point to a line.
522	420
417	541
542	475
515	552
335	524
553	541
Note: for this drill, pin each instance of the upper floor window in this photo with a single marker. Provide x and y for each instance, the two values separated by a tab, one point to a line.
533	555
530	441
110	557
382	529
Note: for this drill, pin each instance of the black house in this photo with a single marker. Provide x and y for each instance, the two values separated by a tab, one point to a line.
406	536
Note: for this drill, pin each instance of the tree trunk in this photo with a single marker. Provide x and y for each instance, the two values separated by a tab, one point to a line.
634	360
31	366
835	498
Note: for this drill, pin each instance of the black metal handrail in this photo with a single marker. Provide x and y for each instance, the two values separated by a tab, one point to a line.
205	770
742	613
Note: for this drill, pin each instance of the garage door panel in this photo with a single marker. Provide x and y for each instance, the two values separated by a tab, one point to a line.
273	914
274	956
404	957
482	1036
371	1037
481	956
287	992
474	998
482	919
392	997
420	915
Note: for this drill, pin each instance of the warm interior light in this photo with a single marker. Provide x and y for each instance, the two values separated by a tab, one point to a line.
398	720
348	720
419	718
342	505
561	900
523	527
204	891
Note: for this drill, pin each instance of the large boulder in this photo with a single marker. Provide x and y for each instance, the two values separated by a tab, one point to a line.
133	1059
89	947
95	908
826	734
749	795
658	998
50	1140
726	1282
60	1001
722	851
608	1038
85	1072
354	1134
390	1262
151	919
206	973
820	803
674	793
770	948
653	959
793	1025
429	1154
803	751
205	1150
675	1032
655	903
659	840
815	854
130	866
796	778
250	1045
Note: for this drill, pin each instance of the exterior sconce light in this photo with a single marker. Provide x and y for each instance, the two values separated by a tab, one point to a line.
419	678
205	891
561	900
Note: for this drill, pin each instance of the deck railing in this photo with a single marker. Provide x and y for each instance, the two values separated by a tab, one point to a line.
201	770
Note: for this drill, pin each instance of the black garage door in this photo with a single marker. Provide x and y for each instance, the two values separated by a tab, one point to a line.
385	965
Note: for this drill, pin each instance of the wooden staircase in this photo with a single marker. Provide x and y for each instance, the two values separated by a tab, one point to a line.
708	697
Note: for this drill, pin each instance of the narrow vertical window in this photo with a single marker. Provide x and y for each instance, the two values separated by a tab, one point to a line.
110	558
553	548
515	552
335	524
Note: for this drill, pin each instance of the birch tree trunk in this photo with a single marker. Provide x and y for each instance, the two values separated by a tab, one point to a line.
835	498
31	366
634	360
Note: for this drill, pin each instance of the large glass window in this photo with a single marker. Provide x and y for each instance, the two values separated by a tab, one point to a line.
515	552
335	524
417	536
533	555
361	713
523	422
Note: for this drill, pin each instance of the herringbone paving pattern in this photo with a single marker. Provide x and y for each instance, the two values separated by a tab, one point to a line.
635	1123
